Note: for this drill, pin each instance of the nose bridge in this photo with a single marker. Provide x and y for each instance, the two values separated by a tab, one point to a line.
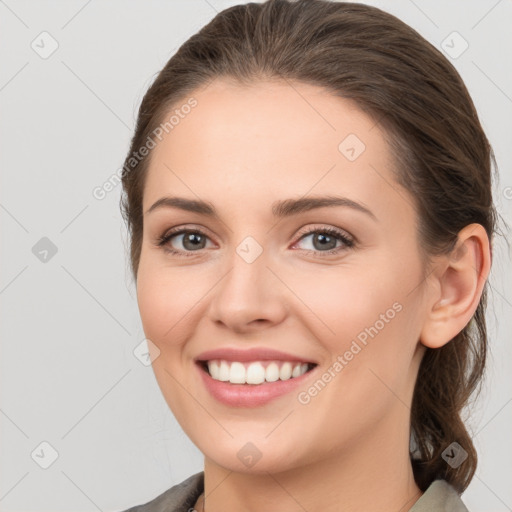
247	279
248	291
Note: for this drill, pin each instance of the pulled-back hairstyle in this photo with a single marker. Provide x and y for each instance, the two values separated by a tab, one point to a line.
442	156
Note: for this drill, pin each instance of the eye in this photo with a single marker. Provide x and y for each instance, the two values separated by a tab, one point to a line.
192	240
324	240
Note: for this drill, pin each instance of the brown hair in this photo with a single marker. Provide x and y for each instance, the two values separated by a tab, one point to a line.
443	157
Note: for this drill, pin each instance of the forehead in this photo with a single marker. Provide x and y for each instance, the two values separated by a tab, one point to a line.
270	140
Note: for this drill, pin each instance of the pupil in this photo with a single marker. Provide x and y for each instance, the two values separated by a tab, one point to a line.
193	238
323	237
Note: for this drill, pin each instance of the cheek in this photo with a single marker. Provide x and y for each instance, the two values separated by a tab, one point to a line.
342	302
166	299
168	307
362	322
361	318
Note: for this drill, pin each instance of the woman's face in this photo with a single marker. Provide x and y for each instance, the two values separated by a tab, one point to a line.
263	274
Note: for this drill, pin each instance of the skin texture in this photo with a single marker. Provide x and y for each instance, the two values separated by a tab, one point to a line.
241	149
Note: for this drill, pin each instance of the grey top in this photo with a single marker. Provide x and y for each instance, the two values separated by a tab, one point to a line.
439	497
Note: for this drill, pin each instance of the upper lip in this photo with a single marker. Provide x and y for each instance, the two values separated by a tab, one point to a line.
251	354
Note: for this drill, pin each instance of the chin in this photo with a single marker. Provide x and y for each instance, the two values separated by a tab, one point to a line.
251	458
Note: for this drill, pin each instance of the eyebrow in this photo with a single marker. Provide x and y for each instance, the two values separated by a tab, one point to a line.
280	209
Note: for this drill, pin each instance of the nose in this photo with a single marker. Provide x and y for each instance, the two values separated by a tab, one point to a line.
249	296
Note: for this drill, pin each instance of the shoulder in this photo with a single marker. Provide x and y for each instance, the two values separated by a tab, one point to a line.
179	498
439	497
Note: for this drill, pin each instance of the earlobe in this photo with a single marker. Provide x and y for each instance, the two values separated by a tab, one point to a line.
461	277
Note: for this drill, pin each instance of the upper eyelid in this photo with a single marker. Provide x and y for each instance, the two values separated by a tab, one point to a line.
301	233
180	230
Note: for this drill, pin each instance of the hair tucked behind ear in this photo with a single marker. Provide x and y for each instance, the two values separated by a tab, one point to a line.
443	157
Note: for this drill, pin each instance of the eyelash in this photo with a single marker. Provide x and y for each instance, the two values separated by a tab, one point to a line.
349	242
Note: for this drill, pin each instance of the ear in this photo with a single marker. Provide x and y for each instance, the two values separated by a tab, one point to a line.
459	279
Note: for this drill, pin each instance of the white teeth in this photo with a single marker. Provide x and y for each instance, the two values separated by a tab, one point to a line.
271	373
286	371
237	373
255	372
223	371
296	371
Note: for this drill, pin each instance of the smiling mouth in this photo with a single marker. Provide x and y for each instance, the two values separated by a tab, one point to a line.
254	372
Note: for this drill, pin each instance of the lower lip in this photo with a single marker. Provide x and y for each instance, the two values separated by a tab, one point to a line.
250	395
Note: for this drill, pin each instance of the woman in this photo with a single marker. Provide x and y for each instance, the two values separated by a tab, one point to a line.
308	194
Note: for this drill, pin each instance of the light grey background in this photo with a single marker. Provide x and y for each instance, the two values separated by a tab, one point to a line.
70	324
